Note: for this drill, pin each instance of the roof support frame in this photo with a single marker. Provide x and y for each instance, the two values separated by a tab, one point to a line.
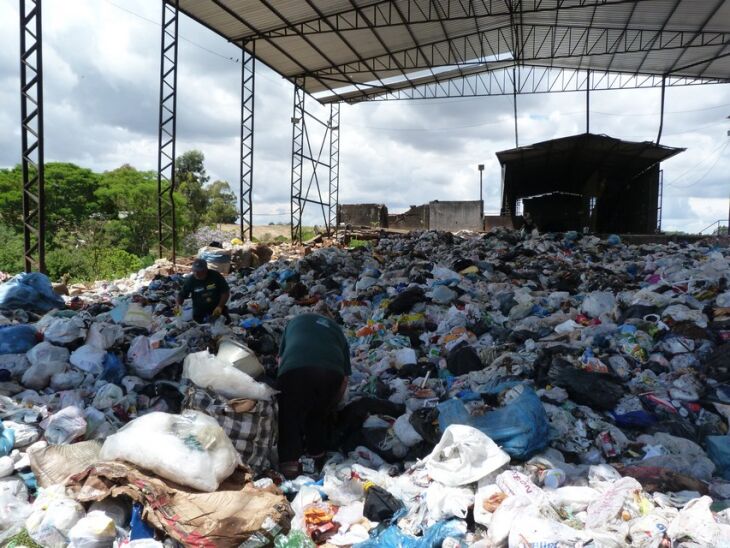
565	41
538	79
382	14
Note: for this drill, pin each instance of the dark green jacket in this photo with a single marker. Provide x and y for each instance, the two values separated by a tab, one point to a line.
311	340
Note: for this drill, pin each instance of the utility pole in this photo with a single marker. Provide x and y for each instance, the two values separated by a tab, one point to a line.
481	187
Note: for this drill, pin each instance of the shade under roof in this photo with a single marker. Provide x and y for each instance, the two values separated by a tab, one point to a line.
358	49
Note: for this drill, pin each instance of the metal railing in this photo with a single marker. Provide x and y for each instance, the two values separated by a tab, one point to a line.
716	225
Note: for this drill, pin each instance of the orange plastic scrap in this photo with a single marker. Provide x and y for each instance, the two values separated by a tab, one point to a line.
318	514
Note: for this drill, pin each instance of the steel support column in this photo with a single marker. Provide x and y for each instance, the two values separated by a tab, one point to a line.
334	189
588	101
31	113
245	189
305	163
661	115
297	152
166	221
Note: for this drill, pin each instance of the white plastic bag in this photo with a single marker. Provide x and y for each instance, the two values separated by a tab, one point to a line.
64	426
53	516
487	496
598	303
89	358
696	523
464	455
445	502
207	371
137	316
95	530
64	330
38	376
108	396
405	432
190	449
147	361
104	335
605	510
46	352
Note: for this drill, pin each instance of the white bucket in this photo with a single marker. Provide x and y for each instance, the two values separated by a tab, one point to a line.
240	356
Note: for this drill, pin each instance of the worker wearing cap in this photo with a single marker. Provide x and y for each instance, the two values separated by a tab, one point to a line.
209	290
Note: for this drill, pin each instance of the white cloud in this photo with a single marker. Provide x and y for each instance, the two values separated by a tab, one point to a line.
102	70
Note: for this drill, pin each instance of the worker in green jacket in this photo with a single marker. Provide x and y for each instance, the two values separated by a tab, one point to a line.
314	365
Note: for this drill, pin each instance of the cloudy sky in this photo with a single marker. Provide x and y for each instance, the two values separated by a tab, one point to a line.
102	83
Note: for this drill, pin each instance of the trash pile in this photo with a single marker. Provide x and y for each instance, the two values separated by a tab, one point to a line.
507	390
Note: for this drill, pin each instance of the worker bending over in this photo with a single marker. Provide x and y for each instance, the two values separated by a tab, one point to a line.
314	364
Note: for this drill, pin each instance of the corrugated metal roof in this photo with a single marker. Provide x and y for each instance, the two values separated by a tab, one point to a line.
355	49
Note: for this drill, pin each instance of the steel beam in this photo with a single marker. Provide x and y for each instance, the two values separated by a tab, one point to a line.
534	80
334	186
245	189
166	221
385	14
31	133
308	164
297	120
535	43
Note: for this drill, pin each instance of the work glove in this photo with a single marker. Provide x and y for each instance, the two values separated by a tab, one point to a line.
177	310
217	312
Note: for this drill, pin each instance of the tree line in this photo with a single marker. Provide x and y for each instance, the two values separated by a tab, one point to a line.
104	225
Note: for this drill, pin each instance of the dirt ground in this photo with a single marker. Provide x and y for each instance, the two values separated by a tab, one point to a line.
261	232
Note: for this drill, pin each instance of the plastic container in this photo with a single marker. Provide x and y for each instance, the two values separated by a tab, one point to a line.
240	356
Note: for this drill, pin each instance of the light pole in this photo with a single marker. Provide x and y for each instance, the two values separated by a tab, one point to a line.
481	187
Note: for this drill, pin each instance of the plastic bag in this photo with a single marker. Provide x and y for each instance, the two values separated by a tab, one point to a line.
17	339
393	537
88	358
137	316
147	361
13	509
65	426
114	370
598	303
206	371
38	376
53	516
405	432
46	352
446	502
605	510
108	396
62	330
95	530
190	449
29	291
520	428
104	335
464	455
7	440
718	450
695	522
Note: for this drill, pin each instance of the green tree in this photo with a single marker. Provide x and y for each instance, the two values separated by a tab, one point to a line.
221	204
127	199
191	178
69	193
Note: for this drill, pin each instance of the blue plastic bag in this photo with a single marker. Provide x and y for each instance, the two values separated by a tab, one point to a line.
7	440
393	537
114	370
718	450
17	339
139	529
520	428
30	291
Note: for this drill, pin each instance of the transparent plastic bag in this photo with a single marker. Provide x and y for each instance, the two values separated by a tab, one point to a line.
190	449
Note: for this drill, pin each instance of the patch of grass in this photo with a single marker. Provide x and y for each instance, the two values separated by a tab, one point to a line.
355	243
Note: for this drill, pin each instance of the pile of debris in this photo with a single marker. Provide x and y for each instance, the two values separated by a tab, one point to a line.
507	389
